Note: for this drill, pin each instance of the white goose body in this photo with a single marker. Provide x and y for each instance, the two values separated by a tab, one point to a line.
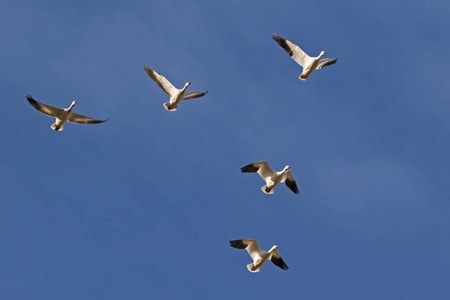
271	177
176	98
275	179
260	257
309	64
176	95
62	115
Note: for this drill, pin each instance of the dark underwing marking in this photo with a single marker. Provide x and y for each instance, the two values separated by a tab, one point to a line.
283	44
238	244
249	169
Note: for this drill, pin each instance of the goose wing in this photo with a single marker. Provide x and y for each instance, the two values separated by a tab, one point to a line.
44	108
80	119
260	167
162	81
194	94
277	260
292	49
251	245
289	180
326	62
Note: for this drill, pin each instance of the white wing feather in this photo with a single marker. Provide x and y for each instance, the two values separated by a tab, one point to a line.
293	50
264	170
162	81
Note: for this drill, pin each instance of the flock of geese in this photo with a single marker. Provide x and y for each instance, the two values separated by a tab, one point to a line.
272	178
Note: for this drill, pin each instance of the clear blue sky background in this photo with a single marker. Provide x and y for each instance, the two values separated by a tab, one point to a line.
143	206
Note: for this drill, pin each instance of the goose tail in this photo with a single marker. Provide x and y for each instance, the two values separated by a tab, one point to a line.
266	190
250	268
60	128
170	107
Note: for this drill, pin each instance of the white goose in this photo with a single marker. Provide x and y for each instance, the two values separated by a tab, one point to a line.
271	177
259	256
176	95
62	115
309	64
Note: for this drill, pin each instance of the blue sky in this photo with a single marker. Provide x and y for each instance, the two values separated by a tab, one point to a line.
143	206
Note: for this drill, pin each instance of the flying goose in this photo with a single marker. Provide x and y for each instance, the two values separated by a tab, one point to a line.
271	177
309	64
259	256
176	95
62	115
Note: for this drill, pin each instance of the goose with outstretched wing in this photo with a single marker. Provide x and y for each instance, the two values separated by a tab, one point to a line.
259	256
309	64
271	177
176	95
62	115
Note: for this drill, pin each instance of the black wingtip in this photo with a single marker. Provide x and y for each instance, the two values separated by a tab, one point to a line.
147	69
276	38
98	121
282	42
331	62
32	101
249	169
238	244
279	262
292	186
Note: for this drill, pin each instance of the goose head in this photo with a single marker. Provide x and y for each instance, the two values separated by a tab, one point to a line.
286	169
186	85
322	54
72	105
275	247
